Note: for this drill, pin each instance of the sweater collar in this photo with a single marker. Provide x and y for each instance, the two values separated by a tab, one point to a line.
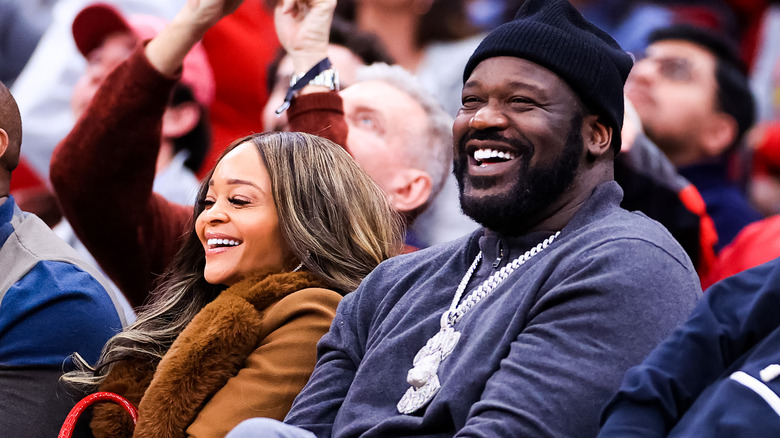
496	245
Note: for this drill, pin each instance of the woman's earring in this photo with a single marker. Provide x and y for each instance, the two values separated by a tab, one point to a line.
300	265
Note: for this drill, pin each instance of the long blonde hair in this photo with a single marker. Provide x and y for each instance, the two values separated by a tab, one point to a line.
332	215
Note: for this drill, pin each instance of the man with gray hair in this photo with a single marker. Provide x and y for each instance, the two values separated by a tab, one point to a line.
440	218
399	134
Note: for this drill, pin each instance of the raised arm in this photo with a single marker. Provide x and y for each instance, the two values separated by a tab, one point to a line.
166	51
103	171
303	29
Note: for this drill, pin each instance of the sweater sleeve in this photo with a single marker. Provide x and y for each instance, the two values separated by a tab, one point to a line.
735	314
602	312
103	173
319	114
277	370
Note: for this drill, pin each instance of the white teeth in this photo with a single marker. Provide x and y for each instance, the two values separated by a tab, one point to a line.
227	242
484	154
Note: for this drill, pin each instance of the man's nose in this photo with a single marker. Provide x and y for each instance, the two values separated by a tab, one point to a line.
488	117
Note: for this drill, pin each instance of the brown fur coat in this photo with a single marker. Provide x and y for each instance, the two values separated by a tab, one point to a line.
211	350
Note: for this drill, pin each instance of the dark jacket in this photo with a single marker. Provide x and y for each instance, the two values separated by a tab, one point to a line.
706	379
652	185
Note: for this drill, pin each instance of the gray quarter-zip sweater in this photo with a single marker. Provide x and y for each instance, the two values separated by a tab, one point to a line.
539	356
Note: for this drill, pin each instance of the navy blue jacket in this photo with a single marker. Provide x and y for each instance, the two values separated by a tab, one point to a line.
726	204
706	379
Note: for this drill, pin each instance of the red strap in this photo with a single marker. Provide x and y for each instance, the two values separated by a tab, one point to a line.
73	416
708	237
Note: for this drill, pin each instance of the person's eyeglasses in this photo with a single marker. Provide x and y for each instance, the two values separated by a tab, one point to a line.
671	68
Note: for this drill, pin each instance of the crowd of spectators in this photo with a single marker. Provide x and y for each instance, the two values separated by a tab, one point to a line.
228	209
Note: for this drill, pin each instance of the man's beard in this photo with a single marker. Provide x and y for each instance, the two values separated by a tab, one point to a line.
534	190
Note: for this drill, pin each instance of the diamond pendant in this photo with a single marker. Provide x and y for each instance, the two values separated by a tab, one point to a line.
423	376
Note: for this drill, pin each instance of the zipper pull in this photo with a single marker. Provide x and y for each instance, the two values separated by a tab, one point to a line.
500	256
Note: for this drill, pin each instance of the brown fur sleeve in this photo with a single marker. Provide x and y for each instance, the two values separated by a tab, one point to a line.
128	379
205	355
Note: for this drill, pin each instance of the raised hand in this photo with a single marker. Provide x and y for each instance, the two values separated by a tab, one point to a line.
167	50
201	15
303	28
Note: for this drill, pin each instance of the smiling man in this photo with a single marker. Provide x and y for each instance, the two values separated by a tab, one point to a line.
526	326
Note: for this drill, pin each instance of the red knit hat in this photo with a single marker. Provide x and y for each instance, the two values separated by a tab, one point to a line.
95	22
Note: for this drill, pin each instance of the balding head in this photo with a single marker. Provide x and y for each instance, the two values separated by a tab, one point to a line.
417	135
10	137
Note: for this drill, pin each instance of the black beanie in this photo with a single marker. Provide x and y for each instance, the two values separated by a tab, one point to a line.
553	34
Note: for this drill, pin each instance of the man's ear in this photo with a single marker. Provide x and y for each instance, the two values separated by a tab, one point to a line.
718	134
411	189
180	119
4	140
596	136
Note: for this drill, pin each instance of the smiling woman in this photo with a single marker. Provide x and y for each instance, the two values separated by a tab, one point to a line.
286	223
239	221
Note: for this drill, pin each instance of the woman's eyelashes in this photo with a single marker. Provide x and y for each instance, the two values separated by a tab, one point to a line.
240	202
209	202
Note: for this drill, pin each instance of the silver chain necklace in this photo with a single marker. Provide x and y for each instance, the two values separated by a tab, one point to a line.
423	376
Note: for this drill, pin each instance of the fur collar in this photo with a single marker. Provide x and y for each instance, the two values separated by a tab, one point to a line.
212	348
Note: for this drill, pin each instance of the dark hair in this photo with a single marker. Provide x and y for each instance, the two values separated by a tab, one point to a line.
198	141
447	20
365	45
733	93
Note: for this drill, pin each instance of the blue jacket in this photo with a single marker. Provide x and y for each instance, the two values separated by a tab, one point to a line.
51	305
714	376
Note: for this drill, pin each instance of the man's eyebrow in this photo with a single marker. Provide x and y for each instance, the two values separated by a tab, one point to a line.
364	107
511	85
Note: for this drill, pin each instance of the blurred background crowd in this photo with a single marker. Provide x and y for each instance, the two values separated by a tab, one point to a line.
242	72
700	142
